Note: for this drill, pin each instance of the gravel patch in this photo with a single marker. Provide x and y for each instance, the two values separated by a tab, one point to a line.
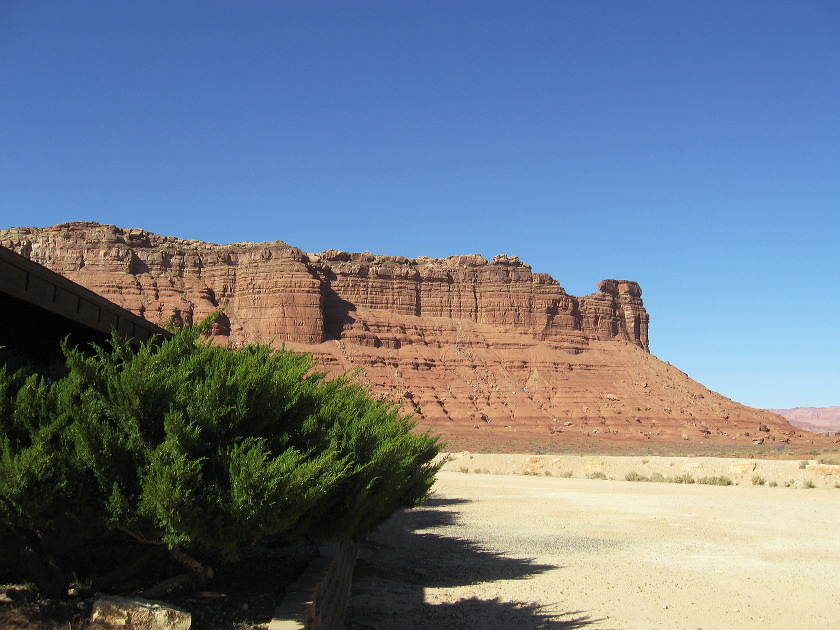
525	551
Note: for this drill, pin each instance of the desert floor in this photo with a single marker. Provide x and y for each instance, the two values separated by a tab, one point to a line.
533	550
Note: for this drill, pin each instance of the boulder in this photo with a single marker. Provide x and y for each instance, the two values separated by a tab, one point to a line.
139	614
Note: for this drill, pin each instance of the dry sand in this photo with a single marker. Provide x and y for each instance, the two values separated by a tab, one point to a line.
524	551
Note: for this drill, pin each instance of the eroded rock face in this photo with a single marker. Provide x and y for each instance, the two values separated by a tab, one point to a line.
504	293
272	291
471	346
267	289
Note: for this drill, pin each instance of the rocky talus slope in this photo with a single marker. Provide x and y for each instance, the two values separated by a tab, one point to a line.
474	347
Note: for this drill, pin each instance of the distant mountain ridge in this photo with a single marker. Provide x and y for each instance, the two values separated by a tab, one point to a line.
816	419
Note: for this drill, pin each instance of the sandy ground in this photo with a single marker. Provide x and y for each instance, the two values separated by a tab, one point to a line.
525	551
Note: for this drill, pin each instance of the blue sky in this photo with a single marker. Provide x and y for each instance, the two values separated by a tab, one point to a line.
691	146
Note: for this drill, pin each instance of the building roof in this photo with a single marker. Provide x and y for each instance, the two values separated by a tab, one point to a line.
39	307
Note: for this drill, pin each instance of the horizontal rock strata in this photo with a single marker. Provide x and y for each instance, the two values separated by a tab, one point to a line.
469	345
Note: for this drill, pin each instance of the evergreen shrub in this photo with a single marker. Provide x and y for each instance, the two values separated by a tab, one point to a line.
197	446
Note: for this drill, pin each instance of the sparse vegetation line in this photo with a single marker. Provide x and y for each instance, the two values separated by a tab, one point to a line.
715	471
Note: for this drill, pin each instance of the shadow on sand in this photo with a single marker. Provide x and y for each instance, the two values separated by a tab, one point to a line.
406	556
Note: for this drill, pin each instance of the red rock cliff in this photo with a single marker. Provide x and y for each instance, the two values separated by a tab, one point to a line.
271	291
504	293
473	347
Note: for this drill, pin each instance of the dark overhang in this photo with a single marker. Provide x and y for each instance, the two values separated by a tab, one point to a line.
39	307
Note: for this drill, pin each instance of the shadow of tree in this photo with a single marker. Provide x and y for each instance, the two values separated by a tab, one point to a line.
472	613
406	556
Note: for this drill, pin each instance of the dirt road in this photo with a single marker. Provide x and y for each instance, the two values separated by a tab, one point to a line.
507	551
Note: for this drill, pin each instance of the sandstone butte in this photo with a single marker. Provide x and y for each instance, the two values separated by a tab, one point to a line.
488	353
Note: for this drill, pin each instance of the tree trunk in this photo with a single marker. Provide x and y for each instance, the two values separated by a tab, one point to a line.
127	570
28	558
196	575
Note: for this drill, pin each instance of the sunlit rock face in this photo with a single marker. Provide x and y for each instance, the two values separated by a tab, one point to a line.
471	346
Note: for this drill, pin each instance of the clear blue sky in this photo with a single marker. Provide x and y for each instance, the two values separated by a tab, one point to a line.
691	146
